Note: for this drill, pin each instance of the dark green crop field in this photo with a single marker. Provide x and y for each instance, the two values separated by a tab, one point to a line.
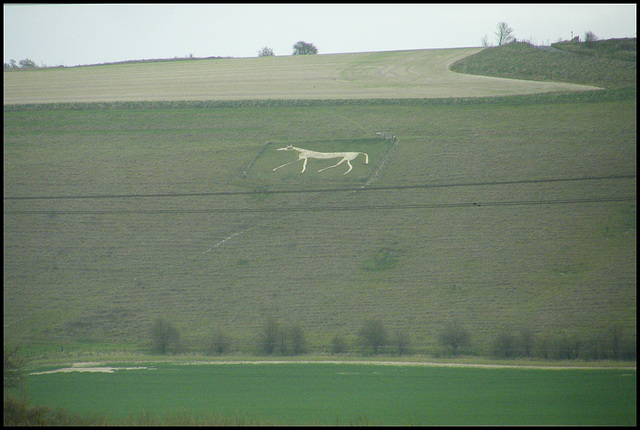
342	394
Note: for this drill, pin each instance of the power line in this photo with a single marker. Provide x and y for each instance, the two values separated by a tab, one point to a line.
323	190
324	208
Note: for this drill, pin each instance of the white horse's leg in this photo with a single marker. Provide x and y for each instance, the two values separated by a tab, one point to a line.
350	167
335	165
304	166
286	164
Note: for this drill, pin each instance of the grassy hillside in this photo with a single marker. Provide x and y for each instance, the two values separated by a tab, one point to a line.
235	260
499	213
617	49
559	64
370	75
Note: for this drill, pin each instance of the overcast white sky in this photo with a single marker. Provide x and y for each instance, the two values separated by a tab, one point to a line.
88	34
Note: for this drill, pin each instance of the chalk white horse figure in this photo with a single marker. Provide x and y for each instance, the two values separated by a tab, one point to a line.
305	154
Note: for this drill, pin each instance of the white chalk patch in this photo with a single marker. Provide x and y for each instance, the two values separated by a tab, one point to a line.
94	369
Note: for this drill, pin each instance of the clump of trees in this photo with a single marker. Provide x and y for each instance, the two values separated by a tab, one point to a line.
607	344
22	64
13	375
304	48
454	337
590	39
281	340
265	52
374	339
16	407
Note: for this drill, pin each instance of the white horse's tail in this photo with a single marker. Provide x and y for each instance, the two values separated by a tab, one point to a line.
366	158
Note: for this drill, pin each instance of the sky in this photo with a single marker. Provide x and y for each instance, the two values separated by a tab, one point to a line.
73	34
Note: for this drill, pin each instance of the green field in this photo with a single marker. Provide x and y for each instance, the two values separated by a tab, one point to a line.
344	394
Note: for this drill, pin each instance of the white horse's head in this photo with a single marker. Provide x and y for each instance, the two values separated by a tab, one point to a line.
286	148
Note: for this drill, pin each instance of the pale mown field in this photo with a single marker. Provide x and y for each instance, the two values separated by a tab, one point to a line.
373	75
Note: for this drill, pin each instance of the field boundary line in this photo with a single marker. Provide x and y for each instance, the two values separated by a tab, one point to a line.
393	207
326	190
403	363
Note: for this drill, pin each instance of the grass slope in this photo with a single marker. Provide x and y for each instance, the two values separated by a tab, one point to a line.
108	275
327	261
371	75
562	63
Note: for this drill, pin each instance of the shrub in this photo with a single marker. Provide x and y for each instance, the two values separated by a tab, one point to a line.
385	258
13	374
338	345
504	345
454	336
220	343
373	335
17	412
265	52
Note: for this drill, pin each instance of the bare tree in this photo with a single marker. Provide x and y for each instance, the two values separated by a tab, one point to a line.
485	41
504	33
590	38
